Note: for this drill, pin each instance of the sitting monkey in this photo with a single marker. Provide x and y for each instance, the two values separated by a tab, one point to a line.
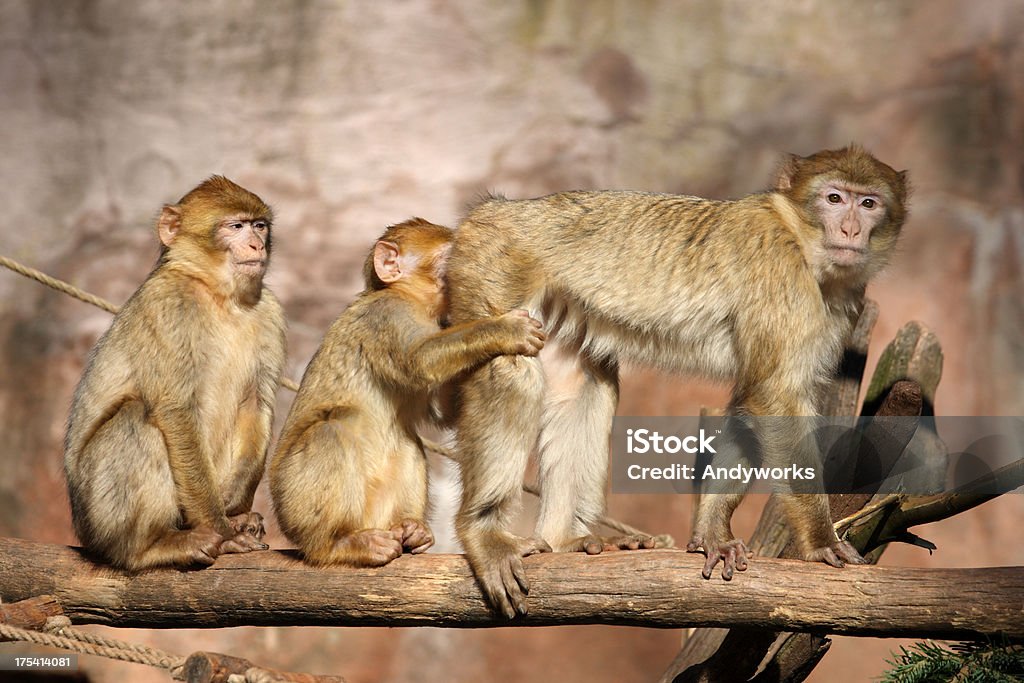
349	476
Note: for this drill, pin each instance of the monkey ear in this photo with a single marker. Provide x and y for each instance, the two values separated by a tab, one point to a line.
387	261
169	224
787	170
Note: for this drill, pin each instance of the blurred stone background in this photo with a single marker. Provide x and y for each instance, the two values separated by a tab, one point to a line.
349	116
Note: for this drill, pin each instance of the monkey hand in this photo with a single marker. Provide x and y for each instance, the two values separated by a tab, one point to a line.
594	545
244	540
201	545
839	554
526	334
496	559
414	535
732	554
248	522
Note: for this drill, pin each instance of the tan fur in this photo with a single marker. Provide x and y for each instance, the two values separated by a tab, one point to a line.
751	290
348	476
170	423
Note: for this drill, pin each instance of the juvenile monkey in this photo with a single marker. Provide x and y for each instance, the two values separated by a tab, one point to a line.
169	425
348	476
760	290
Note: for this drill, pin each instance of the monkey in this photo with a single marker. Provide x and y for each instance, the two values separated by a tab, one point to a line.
348	476
170	423
760	290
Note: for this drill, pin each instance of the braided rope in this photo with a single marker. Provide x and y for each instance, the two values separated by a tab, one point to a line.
82	295
58	285
64	637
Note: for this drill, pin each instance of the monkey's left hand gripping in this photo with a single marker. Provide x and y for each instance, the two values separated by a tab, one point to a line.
732	554
497	562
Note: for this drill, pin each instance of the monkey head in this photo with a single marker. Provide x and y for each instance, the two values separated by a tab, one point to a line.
856	202
413	256
219	229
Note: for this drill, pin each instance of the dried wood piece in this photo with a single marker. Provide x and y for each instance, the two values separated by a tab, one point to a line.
213	667
914	354
30	613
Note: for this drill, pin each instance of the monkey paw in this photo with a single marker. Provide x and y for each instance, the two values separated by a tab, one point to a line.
368	548
202	546
732	554
248	523
415	536
498	565
593	545
244	541
838	554
528	333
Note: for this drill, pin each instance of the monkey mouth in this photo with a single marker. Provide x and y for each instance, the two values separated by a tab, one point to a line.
845	255
252	266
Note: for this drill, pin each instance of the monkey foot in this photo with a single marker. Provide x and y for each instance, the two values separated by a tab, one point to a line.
201	545
414	535
593	545
367	548
248	522
732	554
498	565
838	554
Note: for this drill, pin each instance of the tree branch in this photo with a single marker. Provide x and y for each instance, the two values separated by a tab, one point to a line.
654	588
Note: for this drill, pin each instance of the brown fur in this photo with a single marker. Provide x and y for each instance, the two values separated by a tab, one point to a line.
170	423
348	476
760	290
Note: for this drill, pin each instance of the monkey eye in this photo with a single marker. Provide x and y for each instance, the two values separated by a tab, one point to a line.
259	225
235	225
868	203
834	198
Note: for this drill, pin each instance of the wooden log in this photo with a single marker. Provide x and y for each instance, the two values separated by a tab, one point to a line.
654	588
31	613
213	667
915	353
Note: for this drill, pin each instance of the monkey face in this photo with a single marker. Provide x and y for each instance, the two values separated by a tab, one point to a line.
246	239
849	214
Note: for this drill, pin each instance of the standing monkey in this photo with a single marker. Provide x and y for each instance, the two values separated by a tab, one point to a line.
348	476
170	423
761	290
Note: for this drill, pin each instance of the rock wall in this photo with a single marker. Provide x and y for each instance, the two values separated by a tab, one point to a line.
351	116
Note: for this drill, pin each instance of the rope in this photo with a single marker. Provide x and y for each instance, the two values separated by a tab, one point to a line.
82	295
61	635
59	285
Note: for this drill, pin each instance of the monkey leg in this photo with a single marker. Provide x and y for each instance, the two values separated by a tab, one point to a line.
352	493
574	440
810	523
712	530
125	507
804	503
497	427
